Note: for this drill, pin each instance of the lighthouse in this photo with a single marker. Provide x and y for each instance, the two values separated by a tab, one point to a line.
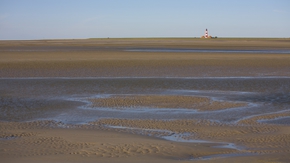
206	33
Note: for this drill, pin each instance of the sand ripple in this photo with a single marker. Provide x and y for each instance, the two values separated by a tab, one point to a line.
158	101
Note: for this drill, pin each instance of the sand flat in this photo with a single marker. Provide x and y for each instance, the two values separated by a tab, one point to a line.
68	100
109	58
144	65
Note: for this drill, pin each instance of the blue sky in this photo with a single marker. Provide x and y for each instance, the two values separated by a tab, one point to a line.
55	19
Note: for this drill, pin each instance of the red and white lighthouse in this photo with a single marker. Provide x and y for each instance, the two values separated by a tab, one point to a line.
206	33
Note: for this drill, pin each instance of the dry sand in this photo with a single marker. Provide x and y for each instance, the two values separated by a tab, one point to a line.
49	141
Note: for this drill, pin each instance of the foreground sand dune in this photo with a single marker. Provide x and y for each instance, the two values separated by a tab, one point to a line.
37	136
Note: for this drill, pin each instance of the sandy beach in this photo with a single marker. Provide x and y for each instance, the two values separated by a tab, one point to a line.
145	100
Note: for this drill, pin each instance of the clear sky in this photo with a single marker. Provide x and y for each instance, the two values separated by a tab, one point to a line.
55	19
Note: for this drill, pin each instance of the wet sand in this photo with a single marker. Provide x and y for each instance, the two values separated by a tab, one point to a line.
185	102
93	100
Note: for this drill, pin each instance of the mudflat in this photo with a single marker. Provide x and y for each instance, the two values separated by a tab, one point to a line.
145	100
117	58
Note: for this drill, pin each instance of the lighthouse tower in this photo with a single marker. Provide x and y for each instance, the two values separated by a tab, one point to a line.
206	33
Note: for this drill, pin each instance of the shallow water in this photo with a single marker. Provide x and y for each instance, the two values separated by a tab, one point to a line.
220	156
67	99
280	120
210	51
177	137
